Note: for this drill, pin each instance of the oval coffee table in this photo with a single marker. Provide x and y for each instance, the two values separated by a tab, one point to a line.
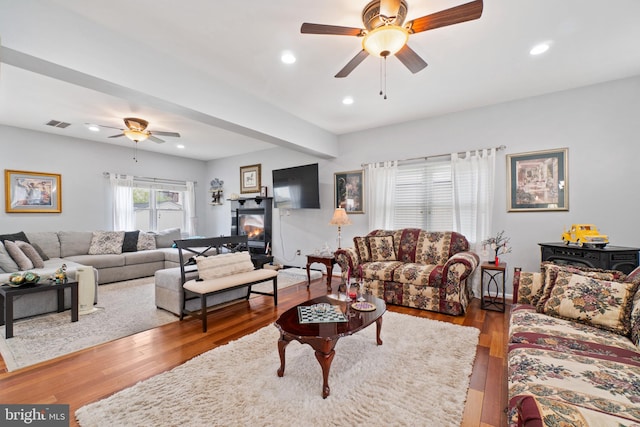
323	336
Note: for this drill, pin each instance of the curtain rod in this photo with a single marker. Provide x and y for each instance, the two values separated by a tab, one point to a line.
144	178
501	147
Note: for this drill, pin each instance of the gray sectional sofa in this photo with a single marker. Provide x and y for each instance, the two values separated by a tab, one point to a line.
73	248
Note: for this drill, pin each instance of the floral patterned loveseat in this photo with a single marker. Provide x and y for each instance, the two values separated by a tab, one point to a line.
413	268
573	348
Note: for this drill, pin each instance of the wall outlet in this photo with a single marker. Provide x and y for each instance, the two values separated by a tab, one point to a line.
298	252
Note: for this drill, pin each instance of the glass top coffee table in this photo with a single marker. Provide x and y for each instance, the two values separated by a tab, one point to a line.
323	332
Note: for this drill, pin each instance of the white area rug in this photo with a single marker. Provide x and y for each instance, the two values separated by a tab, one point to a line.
419	376
125	308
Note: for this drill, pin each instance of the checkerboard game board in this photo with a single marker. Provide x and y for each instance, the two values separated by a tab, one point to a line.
307	315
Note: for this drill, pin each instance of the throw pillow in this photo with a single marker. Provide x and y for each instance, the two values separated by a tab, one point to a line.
362	248
635	319
31	253
106	242
146	241
529	284
550	271
222	265
130	242
40	251
165	238
7	264
600	303
382	248
24	263
14	236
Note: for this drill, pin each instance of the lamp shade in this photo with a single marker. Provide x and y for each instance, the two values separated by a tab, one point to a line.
136	135
340	217
385	40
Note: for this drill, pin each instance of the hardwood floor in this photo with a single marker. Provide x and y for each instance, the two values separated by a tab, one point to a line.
95	373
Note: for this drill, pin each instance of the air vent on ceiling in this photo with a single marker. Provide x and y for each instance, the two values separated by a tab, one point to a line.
57	124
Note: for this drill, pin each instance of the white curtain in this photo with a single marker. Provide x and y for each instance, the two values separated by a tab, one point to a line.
473	191
123	214
381	186
190	209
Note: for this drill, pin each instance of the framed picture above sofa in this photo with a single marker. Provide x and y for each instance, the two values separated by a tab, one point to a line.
349	191
538	181
32	192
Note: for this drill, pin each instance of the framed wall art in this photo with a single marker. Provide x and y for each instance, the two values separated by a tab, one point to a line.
538	181
349	191
250	178
32	192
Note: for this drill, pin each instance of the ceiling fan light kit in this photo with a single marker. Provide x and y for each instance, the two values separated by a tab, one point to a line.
136	135
385	41
386	34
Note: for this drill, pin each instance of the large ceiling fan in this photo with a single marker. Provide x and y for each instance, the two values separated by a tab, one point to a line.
137	131
386	34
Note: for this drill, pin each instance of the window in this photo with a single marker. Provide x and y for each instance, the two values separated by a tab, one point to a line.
424	196
158	209
152	204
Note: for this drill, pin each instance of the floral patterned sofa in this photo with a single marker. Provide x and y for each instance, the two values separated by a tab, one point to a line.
573	348
413	268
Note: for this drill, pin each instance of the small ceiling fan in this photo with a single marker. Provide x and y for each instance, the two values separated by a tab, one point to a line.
385	33
137	131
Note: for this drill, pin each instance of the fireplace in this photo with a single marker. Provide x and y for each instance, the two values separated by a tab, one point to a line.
252	217
252	225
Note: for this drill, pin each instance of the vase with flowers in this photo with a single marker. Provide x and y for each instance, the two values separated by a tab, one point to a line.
499	244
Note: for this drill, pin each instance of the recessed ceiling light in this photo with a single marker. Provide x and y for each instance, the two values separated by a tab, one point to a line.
287	57
347	100
539	48
92	127
181	146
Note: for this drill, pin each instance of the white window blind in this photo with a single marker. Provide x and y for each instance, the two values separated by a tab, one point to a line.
424	196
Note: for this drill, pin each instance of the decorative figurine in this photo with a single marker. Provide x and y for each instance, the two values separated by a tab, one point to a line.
60	276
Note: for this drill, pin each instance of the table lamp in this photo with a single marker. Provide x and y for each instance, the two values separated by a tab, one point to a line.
340	218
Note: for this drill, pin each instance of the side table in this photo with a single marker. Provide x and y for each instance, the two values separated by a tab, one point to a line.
8	293
492	280
328	260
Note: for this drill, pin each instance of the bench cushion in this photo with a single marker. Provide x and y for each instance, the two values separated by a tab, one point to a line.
223	265
226	282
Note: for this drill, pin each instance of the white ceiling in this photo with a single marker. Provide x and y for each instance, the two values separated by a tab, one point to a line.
211	70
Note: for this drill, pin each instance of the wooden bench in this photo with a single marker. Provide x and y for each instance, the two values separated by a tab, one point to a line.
225	272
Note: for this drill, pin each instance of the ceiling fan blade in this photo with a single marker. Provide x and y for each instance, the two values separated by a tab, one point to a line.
173	134
116	136
389	8
411	59
454	15
307	28
154	139
110	127
355	61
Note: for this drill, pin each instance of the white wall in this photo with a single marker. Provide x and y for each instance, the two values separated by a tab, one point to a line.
86	203
599	124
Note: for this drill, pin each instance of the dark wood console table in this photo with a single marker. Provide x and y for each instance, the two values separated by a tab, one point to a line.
608	258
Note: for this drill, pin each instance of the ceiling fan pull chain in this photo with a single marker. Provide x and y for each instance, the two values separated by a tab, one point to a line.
381	93
385	77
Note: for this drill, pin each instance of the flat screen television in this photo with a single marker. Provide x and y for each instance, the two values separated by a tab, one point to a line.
296	187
